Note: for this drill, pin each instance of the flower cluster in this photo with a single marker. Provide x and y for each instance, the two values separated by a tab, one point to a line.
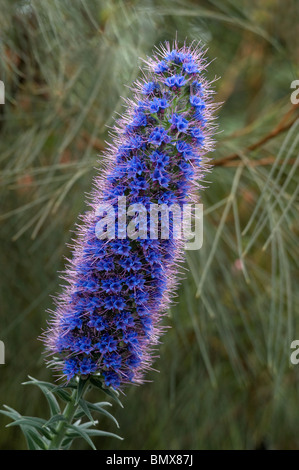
108	318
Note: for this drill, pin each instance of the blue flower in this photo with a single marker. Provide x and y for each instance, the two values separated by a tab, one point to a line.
123	321
131	337
186	169
154	105
161	177
190	67
122	247
112	379
122	153
198	115
179	122
197	134
167	197
105	265
180	80
157	104
115	303
197	102
141	297
84	344
170	81
158	136
136	142
139	120
156	157
141	106
73	322
197	88
107	343
185	149
112	361
71	367
149	88
133	360
161	67
135	167
87	366
163	103
173	55
162	162
98	322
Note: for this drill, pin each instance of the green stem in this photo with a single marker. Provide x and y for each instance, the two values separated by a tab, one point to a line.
68	414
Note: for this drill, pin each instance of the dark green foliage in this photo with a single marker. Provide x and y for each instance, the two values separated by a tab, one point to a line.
59	431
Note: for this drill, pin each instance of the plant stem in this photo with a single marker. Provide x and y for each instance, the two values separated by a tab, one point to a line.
68	414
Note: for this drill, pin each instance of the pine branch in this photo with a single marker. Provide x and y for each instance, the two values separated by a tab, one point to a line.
280	128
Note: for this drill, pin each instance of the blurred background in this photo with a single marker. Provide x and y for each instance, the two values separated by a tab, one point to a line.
225	378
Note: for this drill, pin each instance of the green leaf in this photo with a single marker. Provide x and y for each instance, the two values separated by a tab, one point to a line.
111	393
13	414
34	440
28	420
97	432
66	443
31	443
85	408
33	422
53	420
86	425
80	389
45	387
9	414
98	407
61	393
56	389
76	431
